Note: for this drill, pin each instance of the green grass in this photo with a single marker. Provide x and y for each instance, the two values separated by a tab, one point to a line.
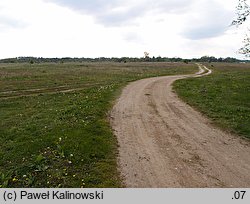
223	96
51	139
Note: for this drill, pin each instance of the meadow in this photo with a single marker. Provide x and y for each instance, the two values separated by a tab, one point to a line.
54	127
223	96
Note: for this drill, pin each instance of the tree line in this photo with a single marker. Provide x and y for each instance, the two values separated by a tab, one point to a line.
33	60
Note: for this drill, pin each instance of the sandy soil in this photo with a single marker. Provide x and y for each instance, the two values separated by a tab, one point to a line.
163	142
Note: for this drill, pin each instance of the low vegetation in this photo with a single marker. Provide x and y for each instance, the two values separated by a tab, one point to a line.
223	96
54	130
146	58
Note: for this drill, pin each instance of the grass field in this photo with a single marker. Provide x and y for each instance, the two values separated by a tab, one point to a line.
223	96
54	130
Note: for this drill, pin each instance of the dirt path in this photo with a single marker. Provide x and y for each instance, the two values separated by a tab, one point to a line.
36	92
163	142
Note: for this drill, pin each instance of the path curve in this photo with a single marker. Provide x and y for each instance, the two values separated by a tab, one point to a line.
163	142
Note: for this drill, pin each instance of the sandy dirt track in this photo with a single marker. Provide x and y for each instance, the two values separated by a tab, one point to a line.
163	142
37	92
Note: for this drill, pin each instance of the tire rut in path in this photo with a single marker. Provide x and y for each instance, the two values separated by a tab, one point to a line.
163	142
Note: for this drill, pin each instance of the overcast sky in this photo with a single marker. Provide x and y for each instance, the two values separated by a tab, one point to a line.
117	28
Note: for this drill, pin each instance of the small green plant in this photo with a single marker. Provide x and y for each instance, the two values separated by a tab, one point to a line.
5	179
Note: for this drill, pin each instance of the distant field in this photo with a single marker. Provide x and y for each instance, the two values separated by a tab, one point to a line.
54	130
223	96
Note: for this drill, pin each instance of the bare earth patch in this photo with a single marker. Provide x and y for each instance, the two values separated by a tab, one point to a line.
163	142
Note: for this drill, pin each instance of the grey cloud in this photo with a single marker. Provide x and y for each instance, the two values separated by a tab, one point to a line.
8	22
204	32
172	6
204	18
211	22
88	6
108	14
119	18
105	12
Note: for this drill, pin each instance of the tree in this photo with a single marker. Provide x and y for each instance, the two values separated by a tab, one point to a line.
146	56
243	12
